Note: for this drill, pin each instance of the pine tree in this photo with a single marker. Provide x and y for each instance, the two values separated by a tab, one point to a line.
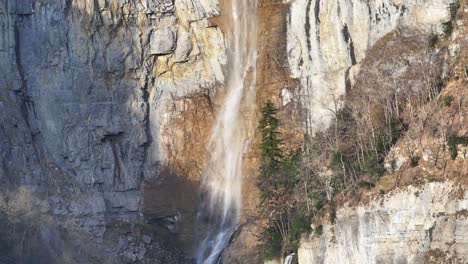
271	155
278	176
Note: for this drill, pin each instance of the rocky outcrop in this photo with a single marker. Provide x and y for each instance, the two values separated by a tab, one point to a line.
327	41
336	52
95	92
425	224
107	107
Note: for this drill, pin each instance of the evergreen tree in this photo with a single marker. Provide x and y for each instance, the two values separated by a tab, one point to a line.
270	152
278	176
270	136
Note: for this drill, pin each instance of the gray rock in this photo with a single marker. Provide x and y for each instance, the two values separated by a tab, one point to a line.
403	227
79	128
326	38
184	46
162	41
146	239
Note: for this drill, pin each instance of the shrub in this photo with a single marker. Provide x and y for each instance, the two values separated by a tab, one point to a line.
433	39
453	8
335	162
320	202
277	181
333	214
414	161
447	100
299	226
448	26
373	166
397	127
434	130
344	121
453	141
272	244
366	184
319	230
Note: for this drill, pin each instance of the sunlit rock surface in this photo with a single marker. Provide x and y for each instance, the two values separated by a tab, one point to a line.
327	40
424	224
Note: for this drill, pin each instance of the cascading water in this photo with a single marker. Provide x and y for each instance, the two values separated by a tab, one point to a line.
289	258
220	206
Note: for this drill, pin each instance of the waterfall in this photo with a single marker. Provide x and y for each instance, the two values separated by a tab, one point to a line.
289	258
220	205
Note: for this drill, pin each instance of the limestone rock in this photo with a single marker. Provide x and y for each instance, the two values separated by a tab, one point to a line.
184	46
87	121
162	42
407	226
326	38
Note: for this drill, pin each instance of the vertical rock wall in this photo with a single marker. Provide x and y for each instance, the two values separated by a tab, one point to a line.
327	41
426	224
97	98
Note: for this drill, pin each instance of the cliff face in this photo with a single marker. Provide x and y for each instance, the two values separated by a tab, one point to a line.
416	213
426	224
100	100
106	107
328	40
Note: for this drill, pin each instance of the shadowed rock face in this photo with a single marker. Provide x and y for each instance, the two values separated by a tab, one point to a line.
96	101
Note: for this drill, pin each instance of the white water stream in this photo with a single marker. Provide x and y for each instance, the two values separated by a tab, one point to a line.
289	258
221	192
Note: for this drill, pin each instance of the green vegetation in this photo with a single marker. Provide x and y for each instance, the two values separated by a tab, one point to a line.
272	243
294	185
433	39
447	100
414	161
453	8
448	26
434	130
319	230
303	187
453	141
271	154
353	160
300	224
278	177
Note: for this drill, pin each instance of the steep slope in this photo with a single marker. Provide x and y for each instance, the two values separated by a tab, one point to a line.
416	212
